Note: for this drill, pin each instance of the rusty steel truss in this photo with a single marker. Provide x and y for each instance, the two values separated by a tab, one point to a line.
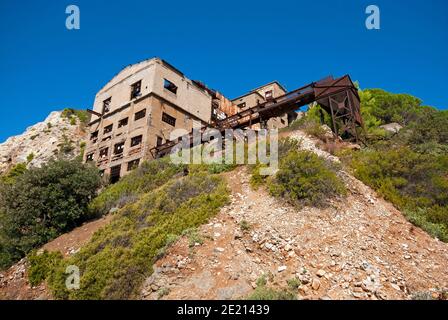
338	97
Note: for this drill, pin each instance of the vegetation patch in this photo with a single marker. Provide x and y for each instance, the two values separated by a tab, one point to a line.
408	168
120	256
41	264
303	177
38	204
73	116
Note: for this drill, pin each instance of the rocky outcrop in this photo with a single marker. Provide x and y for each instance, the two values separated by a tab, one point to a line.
42	141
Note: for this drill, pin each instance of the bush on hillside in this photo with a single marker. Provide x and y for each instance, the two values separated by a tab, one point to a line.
148	176
414	182
306	179
41	203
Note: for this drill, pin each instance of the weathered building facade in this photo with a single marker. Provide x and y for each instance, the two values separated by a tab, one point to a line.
262	94
141	106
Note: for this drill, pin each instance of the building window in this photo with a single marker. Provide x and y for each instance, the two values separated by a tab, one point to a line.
123	122
94	135
242	105
108	128
104	153
133	164
268	94
168	119
135	141
168	85
159	141
106	105
136	89
115	174
89	157
139	115
119	148
282	121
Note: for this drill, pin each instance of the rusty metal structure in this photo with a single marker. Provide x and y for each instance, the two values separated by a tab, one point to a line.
338	97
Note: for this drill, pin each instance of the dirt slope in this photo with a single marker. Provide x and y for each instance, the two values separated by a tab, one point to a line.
359	248
13	282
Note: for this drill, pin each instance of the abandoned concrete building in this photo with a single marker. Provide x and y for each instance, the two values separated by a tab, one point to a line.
139	108
268	92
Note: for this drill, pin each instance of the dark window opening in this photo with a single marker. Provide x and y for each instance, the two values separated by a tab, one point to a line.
268	94
133	164
159	141
106	105
282	121
168	85
242	105
135	141
104	153
108	129
94	135
136	89
89	157
115	174
168	119
123	122
119	148
141	114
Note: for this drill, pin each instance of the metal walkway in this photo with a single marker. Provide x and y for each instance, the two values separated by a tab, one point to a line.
339	97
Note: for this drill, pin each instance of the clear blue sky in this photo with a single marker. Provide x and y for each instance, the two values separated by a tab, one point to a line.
233	46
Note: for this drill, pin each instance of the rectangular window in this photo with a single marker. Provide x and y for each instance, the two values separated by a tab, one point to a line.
168	119
89	157
133	164
268	94
108	129
135	141
139	115
136	89
123	122
115	174
242	105
104	153
168	85
159	141
119	148
106	105
94	135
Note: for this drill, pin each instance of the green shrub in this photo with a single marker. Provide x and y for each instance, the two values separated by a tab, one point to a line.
262	280
245	226
30	157
414	182
264	293
11	175
148	176
304	178
71	115
40	265
293	284
193	237
41	203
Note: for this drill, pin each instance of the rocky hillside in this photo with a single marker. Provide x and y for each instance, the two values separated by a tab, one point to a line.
61	131
359	247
